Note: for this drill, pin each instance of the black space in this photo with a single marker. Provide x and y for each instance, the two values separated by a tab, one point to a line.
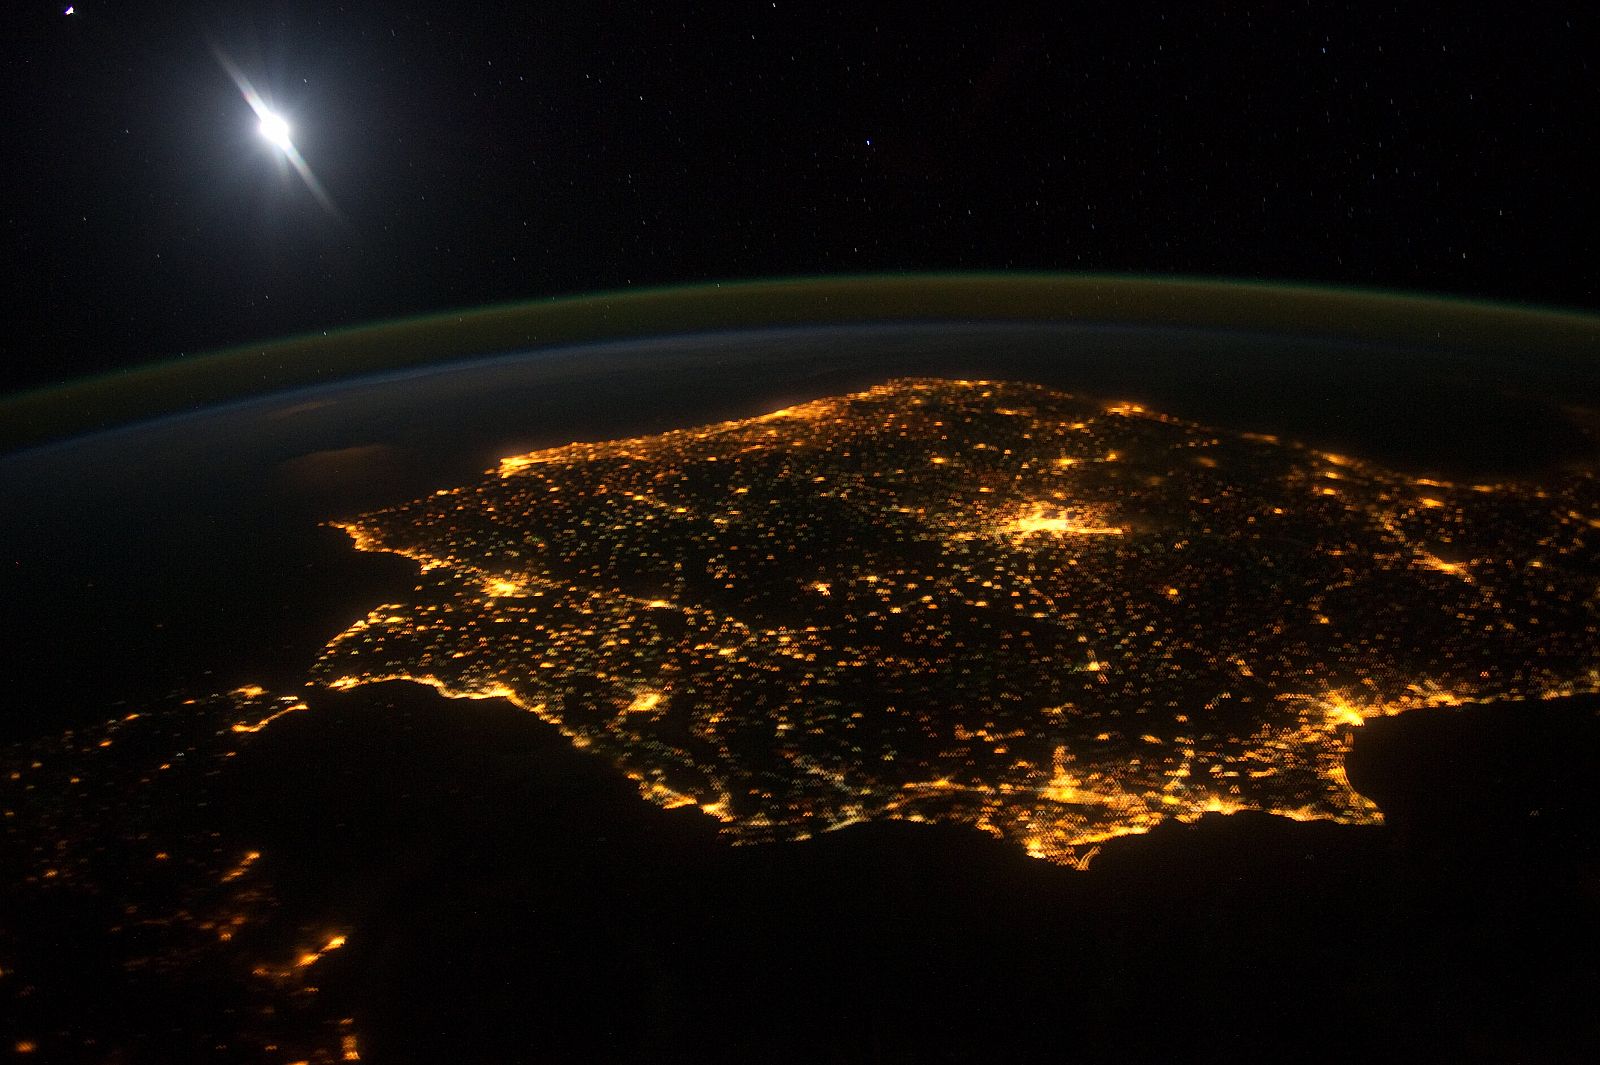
479	153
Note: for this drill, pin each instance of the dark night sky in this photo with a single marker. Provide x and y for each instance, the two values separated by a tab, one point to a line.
488	152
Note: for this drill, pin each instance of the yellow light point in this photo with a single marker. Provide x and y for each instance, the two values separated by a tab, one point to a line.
1063	788
250	691
1340	711
1125	409
1434	562
1081	862
363	540
822	587
1041	520
350	1050
644	702
1429	501
500	587
257	726
311	957
250	858
515	464
488	690
812	411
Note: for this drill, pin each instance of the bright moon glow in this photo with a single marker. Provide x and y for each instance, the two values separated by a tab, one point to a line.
276	130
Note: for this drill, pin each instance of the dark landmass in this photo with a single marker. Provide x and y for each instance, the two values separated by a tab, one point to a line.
507	898
1056	619
143	559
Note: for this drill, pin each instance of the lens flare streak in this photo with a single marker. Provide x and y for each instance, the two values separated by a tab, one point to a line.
276	130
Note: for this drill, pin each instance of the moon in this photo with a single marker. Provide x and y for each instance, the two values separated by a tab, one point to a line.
275	128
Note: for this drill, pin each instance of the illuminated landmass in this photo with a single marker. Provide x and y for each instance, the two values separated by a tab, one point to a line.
996	604
126	885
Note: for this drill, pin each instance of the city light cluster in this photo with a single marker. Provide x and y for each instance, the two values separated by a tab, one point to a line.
1056	620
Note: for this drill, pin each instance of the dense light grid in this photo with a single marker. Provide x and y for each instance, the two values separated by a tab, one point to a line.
1056	620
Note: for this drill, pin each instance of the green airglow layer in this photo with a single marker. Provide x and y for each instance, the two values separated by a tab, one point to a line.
197	382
